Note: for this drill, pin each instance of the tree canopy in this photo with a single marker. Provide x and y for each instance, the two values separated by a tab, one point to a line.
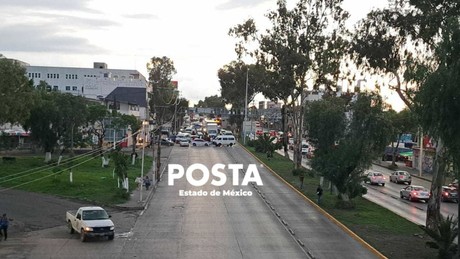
16	92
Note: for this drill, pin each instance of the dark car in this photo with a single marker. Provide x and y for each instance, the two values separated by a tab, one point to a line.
166	142
449	194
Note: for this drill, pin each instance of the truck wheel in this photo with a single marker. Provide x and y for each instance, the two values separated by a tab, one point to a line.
69	224
111	237
83	237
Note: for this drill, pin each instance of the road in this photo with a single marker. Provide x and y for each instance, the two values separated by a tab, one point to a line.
275	223
388	197
235	227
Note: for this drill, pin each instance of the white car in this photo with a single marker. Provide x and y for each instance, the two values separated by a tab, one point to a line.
375	178
184	143
198	142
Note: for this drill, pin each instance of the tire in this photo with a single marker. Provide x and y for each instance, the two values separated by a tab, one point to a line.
71	230
83	237
383	184
207	145
194	144
111	237
409	183
231	144
400	195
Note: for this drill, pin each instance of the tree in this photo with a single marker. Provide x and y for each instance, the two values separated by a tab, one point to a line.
163	97
121	167
344	151
73	115
403	42
233	79
402	122
302	49
97	115
16	98
124	121
438	110
213	101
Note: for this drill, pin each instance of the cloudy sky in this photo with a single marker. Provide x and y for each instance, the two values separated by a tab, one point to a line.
126	34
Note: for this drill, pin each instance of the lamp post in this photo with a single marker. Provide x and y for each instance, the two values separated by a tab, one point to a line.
144	123
245	107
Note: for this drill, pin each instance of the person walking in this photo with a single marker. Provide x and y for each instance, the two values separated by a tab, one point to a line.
4	222
319	192
147	182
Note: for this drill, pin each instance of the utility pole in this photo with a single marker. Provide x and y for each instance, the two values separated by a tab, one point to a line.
245	107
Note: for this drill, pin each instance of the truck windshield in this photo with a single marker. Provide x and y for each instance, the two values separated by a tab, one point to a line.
95	214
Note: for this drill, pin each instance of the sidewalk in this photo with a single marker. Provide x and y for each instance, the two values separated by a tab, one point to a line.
136	202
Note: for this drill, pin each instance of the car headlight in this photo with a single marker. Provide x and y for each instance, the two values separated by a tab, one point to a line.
112	228
88	229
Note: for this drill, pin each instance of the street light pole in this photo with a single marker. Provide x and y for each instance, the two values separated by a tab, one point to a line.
245	107
142	159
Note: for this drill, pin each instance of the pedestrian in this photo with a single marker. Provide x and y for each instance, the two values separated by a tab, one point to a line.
138	181
147	182
319	192
4	222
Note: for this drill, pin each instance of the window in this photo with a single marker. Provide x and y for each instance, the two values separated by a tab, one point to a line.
74	88
55	88
67	88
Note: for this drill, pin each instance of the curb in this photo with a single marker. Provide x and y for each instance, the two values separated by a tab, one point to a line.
321	210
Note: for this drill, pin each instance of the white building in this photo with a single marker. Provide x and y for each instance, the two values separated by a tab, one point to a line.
127	87
92	83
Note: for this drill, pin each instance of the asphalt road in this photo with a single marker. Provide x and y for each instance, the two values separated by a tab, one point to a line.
388	197
275	223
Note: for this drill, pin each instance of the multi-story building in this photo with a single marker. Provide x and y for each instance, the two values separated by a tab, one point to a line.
96	83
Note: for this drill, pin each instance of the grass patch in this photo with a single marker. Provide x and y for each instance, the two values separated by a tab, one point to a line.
391	234
91	181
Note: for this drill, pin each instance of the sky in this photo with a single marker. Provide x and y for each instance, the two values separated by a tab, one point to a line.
126	34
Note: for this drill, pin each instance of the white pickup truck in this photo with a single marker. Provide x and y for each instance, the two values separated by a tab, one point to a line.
90	222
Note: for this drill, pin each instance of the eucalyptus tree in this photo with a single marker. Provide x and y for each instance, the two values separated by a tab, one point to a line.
213	101
163	96
403	42
438	109
16	92
236	79
302	50
347	138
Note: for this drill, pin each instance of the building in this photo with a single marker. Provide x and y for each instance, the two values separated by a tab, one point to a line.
92	83
129	101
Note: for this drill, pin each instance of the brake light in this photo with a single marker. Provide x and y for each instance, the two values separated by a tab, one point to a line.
414	192
445	193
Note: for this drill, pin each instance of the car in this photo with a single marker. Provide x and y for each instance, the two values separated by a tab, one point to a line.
198	142
375	178
401	177
166	142
224	140
449	194
454	184
184	143
415	193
